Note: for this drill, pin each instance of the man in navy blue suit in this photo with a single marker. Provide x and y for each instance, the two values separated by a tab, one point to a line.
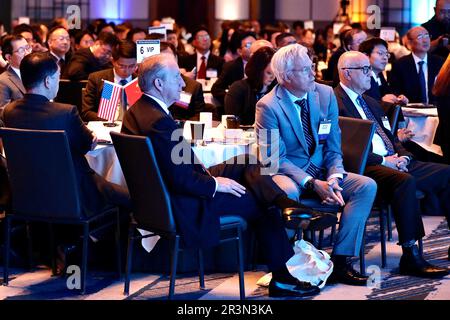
200	196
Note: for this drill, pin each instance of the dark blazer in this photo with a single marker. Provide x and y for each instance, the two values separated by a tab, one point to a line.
189	62
191	187
348	109
241	101
405	79
11	87
65	62
196	105
376	91
232	71
82	64
38	113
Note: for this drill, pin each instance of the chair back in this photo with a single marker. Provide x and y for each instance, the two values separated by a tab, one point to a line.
71	92
356	140
393	118
151	202
41	174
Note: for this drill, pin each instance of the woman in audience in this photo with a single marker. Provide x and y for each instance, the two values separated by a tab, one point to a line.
83	39
243	94
442	91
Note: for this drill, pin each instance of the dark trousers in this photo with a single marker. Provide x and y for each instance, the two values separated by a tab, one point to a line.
254	206
399	189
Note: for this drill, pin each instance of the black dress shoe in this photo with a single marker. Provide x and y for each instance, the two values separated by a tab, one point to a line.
413	264
308	219
347	275
297	289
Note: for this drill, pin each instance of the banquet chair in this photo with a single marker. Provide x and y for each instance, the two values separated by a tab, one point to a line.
152	209
356	136
44	189
71	92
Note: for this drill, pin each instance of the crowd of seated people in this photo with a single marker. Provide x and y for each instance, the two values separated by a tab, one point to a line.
253	80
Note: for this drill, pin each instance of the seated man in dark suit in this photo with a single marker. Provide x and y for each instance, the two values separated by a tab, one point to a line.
234	70
200	196
89	60
124	66
40	76
397	174
202	60
194	102
14	49
414	75
376	50
59	46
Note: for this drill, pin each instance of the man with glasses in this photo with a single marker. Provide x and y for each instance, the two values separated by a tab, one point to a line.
396	172
59	46
206	64
89	60
14	49
439	28
234	70
123	72
297	127
414	75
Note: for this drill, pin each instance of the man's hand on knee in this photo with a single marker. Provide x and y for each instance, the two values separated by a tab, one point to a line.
226	185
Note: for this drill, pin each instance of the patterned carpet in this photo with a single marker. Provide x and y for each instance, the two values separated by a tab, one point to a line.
38	283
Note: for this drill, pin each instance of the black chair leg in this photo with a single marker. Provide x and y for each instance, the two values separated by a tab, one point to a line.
389	222
118	246
321	235
383	237
173	271
29	246
313	238
333	232
84	258
6	250
201	270
52	248
126	289
362	254
241	264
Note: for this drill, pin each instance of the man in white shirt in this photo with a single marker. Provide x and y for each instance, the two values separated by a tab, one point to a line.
397	174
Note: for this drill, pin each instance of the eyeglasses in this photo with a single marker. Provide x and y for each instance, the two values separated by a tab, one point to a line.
383	54
23	50
365	69
423	36
203	36
248	45
306	70
126	67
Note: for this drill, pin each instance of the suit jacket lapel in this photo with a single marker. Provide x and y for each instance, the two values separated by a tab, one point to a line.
291	112
314	114
16	80
347	102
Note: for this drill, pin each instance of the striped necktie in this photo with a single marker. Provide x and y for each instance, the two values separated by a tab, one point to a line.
379	129
306	124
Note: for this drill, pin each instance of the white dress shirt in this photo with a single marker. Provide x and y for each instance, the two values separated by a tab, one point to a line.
17	71
424	68
378	146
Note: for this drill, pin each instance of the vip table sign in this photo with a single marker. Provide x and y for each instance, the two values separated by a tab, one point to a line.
423	122
147	48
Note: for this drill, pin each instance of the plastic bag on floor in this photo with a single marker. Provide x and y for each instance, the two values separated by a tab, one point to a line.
308	264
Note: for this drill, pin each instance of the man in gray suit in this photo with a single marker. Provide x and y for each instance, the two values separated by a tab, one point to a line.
14	48
307	154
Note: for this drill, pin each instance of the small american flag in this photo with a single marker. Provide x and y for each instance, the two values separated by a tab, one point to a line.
109	100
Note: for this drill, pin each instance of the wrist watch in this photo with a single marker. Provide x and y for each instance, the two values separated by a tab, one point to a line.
309	185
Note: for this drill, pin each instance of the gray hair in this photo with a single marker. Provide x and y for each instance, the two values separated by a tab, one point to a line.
151	69
284	59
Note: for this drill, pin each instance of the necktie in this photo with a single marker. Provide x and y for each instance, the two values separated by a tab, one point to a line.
306	123
201	74
125	102
423	85
61	64
379	129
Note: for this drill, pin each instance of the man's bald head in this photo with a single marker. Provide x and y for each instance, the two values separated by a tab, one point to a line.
419	40
259	44
355	71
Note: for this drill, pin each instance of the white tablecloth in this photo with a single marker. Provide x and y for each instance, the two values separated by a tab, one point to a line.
423	123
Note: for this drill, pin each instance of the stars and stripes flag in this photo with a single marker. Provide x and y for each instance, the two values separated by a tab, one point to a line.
110	98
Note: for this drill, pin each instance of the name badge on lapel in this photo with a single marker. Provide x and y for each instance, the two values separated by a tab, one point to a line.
324	130
386	123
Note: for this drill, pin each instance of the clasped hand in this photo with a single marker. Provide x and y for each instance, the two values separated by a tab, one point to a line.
329	192
397	163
